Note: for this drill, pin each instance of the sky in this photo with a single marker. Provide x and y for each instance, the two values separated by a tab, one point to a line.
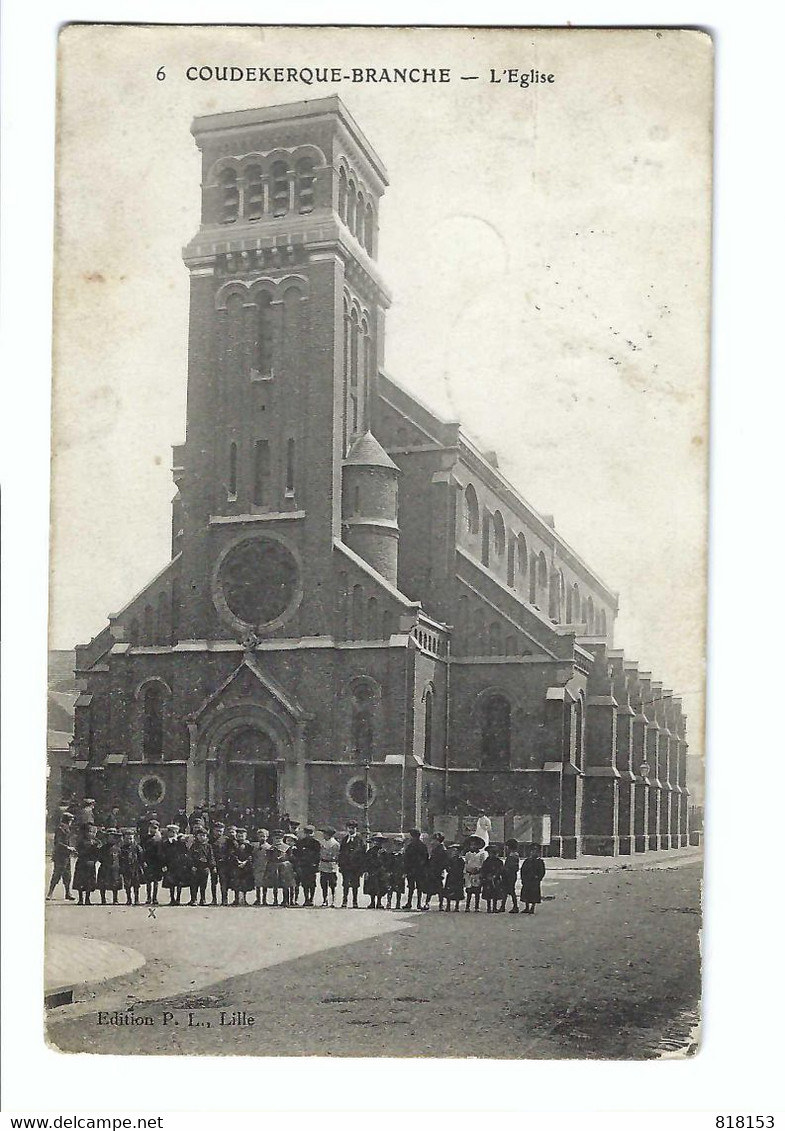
548	253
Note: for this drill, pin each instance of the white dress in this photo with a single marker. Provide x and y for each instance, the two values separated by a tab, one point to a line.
483	830
472	863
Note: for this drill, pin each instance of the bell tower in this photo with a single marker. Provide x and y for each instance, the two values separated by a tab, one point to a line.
286	335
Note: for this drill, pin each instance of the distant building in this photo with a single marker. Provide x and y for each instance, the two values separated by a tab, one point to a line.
360	615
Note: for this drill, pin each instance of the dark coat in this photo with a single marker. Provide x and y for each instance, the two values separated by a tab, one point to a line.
132	864
305	857
532	872
492	878
202	858
241	877
415	860
377	880
453	884
109	878
153	860
396	872
176	863
434	872
351	857
511	864
86	864
62	848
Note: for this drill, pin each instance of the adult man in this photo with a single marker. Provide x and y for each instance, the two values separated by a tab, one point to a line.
415	863
62	851
351	859
305	857
219	876
86	814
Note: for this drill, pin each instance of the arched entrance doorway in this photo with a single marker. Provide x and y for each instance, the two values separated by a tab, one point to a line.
247	771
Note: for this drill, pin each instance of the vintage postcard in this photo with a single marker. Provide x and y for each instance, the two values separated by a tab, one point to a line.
378	542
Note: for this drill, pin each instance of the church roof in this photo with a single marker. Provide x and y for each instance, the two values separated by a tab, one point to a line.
368	452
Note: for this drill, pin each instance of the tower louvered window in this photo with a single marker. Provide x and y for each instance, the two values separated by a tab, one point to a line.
306	183
280	188
230	197
254	193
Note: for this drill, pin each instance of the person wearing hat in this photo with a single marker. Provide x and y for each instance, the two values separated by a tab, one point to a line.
492	879
62	851
87	849
415	862
109	878
512	863
305	856
453	880
532	873
329	850
219	874
351	859
151	841
202	863
131	865
434	872
377	881
396	871
86	814
287	879
173	848
473	860
261	850
241	878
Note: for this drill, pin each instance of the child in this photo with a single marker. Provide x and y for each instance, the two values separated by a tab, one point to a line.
153	863
131	866
241	868
512	862
109	878
62	851
472	863
396	872
434	872
171	859
453	883
376	877
307	852
87	850
261	851
287	877
328	865
202	864
532	873
492	879
415	862
218	876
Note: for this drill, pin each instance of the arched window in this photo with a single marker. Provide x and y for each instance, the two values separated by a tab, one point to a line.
230	197
542	572
486	538
290	467
347	368
351	207
495	731
362	735
263	344
472	510
174	616
554	597
343	194
358	609
428	726
369	241
523	558
280	188
579	736
533	581
499	536
570	593
354	365
306	180
254	193
235	336
590	616
511	563
359	226
148	632
494	639
373	618
261	473
233	471
365	389
153	723
603	623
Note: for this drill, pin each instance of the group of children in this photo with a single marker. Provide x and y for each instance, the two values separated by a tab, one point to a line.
275	867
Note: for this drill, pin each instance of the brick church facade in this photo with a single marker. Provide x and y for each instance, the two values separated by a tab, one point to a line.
360	616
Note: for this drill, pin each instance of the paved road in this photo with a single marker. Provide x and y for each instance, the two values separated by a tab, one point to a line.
608	967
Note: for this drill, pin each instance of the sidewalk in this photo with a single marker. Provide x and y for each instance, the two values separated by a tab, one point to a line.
72	962
638	861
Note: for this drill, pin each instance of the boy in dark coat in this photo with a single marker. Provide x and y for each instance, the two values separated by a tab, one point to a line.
87	850
131	865
396	872
492	880
512	862
202	864
305	855
434	872
218	877
350	862
172	851
150	844
415	863
62	851
241	868
109	878
532	873
453	883
376	876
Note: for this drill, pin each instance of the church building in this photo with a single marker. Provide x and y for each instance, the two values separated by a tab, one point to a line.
361	616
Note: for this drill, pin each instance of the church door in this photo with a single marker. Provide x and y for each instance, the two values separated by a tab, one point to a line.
250	777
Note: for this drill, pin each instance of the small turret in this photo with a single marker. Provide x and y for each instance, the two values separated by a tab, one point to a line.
370	505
